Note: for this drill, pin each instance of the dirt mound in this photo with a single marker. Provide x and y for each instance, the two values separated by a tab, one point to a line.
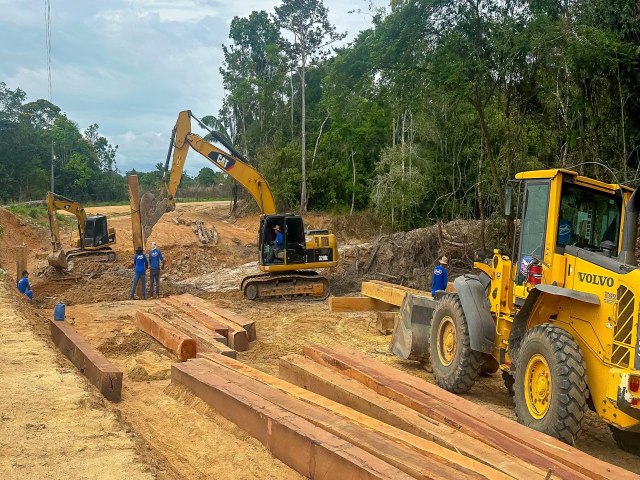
16	231
129	341
408	258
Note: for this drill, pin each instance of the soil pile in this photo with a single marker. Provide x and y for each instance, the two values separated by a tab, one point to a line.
408	258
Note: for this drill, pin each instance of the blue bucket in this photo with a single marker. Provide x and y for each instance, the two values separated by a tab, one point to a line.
58	311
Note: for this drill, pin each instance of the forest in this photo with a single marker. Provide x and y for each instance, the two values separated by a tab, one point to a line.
426	115
85	163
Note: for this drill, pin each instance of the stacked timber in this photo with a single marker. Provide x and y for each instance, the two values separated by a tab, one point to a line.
187	325
337	414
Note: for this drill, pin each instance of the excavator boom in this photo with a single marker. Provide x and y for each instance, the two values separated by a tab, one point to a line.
232	163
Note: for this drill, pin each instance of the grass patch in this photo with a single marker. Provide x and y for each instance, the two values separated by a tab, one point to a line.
39	215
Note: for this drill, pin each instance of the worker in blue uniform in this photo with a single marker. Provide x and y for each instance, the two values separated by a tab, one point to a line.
156	260
24	287
278	244
440	276
141	264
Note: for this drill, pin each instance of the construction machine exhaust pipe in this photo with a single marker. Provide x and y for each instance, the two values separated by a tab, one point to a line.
630	231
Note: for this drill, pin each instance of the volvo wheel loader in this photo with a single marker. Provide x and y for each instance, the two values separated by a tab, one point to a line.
292	271
93	240
559	315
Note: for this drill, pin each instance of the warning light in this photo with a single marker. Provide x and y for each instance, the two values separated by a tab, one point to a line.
634	384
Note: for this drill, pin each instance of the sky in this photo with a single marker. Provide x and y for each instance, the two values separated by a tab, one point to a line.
131	65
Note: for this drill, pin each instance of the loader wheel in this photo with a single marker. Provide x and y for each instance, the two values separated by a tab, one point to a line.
455	366
627	441
550	383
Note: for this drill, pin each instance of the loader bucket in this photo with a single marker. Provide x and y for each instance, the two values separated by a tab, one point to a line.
410	339
58	260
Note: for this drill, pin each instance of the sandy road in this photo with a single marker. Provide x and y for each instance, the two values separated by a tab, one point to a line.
52	423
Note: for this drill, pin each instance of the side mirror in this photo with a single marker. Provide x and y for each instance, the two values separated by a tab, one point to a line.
508	196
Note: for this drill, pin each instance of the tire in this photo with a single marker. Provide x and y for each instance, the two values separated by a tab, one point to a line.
455	366
627	441
549	355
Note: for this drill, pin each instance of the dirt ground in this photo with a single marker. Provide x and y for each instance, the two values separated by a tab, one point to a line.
171	433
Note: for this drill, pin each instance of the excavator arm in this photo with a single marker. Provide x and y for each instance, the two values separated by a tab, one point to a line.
230	162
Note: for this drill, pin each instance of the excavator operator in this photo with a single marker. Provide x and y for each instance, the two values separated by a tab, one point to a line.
278	245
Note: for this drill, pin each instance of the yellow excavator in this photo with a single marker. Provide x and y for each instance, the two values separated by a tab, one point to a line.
559	315
291	271
94	237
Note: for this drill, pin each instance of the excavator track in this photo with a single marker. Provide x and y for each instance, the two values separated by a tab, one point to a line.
302	283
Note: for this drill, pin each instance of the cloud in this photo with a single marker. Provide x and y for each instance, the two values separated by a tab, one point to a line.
131	65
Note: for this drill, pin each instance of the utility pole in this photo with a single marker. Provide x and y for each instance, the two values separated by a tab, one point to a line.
52	161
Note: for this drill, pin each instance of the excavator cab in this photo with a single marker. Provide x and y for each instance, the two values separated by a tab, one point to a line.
96	232
292	227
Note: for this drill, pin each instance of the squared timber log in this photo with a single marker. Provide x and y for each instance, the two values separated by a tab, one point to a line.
237	336
206	340
240	320
332	417
388	292
534	447
308	449
359	304
386	322
330	384
92	364
196	315
180	344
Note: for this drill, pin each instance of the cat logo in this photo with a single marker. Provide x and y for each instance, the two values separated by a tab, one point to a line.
224	162
596	279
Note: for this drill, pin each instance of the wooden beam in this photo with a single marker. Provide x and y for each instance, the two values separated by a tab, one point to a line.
389	292
240	320
93	364
332	416
330	384
180	344
21	261
308	449
136	221
534	447
196	316
206	340
386	322
359	304
237	337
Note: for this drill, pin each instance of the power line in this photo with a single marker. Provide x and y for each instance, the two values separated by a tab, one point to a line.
47	20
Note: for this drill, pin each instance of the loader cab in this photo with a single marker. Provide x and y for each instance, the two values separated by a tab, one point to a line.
561	209
292	227
96	232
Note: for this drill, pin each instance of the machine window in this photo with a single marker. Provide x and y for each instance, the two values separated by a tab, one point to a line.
534	221
588	218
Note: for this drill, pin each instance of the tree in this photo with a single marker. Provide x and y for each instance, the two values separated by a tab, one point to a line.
308	22
208	178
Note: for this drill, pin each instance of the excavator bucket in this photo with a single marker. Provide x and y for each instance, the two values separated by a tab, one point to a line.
58	260
152	207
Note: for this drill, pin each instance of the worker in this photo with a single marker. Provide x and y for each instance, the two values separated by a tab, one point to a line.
277	244
24	287
140	264
440	276
156	261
